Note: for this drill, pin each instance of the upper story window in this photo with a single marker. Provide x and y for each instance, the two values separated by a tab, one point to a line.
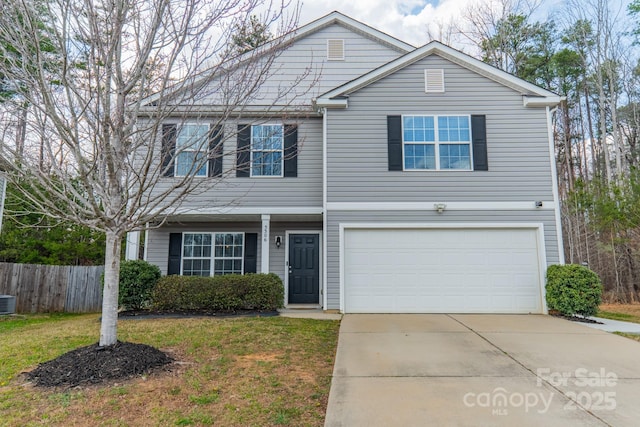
267	150
191	150
436	142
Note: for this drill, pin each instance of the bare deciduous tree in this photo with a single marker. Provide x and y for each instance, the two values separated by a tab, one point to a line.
93	111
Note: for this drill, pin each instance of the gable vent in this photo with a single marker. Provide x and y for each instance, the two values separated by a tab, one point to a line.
434	80
335	49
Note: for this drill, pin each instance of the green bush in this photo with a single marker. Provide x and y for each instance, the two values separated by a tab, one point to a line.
219	293
573	289
137	280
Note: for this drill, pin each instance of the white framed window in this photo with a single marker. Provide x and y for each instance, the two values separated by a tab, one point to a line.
436	142
192	142
209	254
267	150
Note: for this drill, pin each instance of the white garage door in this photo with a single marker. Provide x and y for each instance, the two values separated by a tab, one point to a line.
441	271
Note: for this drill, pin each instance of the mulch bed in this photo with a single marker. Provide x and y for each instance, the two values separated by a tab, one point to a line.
147	314
576	318
94	364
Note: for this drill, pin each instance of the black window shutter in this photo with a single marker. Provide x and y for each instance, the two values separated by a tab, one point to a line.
291	151
251	253
243	156
215	149
175	253
394	140
479	138
169	133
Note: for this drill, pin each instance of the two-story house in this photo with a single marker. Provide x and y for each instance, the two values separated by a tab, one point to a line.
423	181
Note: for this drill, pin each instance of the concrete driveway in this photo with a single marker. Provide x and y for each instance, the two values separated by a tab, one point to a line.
481	370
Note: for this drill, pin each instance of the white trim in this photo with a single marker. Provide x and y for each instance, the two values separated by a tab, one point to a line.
132	245
239	210
539	227
3	198
449	53
538	101
554	181
146	242
428	206
322	293
266	236
325	271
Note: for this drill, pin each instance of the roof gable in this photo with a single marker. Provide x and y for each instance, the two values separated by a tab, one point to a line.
533	95
357	26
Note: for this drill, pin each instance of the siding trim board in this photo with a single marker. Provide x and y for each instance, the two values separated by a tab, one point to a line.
539	227
420	206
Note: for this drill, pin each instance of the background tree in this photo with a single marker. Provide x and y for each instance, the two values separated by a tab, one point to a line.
30	237
102	168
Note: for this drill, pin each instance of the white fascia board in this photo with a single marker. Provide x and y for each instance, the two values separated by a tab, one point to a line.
449	206
231	210
331	103
539	101
451	54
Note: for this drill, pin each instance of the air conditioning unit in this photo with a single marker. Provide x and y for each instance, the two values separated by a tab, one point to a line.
7	304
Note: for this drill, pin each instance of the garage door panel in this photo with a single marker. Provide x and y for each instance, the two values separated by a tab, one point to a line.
441	270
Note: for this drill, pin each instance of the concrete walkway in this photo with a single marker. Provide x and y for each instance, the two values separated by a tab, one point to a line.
609	325
482	370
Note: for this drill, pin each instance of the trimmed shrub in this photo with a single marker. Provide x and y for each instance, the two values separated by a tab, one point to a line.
137	280
229	292
573	289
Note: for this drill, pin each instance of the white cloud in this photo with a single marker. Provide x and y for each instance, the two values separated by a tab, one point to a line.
404	19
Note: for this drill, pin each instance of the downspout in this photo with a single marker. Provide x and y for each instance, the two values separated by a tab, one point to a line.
554	180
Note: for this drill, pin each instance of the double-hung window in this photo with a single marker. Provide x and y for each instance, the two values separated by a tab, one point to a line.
436	142
192	143
206	254
267	150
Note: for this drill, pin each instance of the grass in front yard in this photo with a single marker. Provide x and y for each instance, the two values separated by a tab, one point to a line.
231	372
635	337
625	312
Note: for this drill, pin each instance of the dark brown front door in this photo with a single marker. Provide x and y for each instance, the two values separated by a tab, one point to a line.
304	269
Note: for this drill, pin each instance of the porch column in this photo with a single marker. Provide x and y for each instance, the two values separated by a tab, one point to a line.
264	259
132	246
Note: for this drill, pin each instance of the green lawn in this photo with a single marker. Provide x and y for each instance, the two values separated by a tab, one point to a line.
230	372
625	312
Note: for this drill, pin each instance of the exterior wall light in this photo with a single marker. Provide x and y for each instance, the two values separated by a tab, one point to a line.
440	207
278	241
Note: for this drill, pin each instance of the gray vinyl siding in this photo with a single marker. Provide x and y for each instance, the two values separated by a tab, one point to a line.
158	240
517	141
305	190
305	63
334	219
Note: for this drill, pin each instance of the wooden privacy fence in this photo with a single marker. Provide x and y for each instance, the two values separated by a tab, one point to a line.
52	288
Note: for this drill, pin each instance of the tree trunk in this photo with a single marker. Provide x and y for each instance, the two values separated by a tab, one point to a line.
108	327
